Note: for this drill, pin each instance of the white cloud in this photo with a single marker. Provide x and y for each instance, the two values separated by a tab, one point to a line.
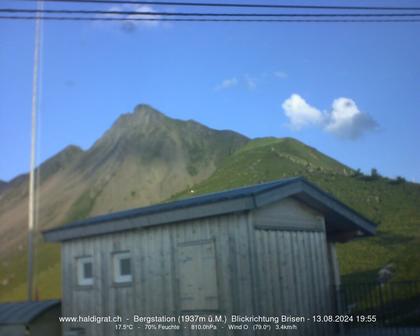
344	121
280	74
131	24
300	113
250	82
245	80
227	84
347	121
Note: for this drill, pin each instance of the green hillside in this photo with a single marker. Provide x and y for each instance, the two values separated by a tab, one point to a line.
393	204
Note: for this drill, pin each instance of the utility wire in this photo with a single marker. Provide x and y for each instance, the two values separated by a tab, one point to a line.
149	13
237	5
72	18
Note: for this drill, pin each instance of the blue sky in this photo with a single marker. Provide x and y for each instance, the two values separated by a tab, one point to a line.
257	79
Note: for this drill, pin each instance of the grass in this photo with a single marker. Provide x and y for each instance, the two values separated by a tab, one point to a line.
82	207
393	205
48	274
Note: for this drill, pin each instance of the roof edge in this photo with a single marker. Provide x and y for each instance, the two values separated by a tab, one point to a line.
368	226
224	202
38	308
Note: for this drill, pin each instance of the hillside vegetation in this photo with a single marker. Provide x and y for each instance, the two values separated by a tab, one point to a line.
392	204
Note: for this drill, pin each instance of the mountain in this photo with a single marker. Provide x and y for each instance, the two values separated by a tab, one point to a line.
3	185
14	197
146	157
160	154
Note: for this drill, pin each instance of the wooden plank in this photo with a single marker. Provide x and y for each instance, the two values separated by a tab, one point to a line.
275	273
297	273
304	274
253	261
271	271
217	226
280	252
290	281
325	284
244	301
233	268
316	281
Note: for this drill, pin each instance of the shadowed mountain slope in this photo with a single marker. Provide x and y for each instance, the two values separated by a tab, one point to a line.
144	158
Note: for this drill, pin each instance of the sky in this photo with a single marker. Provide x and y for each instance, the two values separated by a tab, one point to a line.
351	90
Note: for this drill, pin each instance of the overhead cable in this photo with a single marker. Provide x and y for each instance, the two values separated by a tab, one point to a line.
151	13
73	18
233	5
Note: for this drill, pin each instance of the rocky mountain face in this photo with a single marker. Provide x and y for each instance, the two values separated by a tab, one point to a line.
2	185
144	158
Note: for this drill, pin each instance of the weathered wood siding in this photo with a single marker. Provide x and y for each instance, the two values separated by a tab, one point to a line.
272	261
292	264
155	289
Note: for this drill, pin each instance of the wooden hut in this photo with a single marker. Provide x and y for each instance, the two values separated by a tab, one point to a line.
263	250
30	318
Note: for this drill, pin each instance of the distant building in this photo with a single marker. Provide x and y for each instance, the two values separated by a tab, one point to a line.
267	249
34	318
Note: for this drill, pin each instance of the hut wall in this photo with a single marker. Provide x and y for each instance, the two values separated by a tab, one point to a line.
166	260
12	330
47	323
271	261
291	257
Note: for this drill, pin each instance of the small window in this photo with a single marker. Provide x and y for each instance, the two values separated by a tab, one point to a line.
122	267
75	331
85	271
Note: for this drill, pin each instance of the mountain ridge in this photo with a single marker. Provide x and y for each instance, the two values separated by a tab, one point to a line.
143	146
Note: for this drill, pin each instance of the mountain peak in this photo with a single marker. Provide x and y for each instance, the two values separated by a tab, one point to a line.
60	161
143	115
145	108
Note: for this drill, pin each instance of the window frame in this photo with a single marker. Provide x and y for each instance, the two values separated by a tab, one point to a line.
119	278
80	273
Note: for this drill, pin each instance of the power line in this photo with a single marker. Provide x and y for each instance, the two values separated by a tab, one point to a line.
149	13
236	5
73	18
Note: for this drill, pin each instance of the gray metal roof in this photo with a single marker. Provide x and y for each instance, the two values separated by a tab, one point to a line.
24	312
234	200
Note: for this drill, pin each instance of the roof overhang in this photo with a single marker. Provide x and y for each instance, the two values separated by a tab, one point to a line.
341	220
24	312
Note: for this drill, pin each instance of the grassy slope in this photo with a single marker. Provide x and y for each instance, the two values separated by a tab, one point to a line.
393	206
47	266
